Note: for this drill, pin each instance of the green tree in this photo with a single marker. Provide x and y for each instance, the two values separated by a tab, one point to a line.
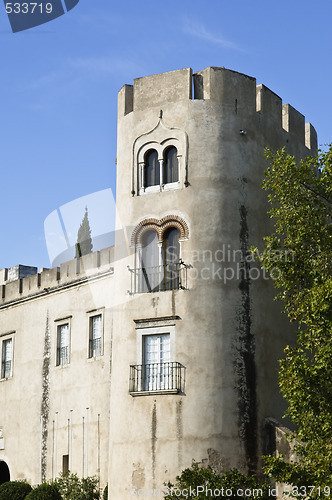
72	487
84	240
201	483
298	255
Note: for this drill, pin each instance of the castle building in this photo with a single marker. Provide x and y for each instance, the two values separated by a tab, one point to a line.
130	362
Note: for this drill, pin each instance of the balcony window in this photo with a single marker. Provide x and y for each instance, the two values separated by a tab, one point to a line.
156	371
171	259
148	275
160	266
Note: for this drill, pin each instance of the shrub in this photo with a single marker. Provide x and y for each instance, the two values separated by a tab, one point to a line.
14	490
45	491
105	494
72	487
196	482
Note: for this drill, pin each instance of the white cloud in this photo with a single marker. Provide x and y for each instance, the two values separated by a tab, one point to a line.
198	30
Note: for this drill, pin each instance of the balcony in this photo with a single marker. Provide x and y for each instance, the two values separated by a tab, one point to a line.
159	278
157	378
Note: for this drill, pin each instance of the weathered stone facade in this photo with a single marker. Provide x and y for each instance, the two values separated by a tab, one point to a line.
190	343
55	415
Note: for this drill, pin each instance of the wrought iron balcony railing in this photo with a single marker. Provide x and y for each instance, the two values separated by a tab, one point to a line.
159	278
157	377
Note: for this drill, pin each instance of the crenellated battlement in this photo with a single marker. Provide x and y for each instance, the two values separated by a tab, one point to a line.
48	280
235	92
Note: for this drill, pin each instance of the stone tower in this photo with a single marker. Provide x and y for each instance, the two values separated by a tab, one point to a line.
196	334
129	362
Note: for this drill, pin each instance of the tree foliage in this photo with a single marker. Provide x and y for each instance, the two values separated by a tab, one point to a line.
84	241
298	255
45	491
14	490
72	487
201	483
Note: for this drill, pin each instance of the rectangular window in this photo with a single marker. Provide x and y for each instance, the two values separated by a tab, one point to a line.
62	357
7	358
65	464
157	357
95	336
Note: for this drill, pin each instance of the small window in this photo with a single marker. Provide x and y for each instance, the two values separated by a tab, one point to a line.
7	358
95	336
62	357
151	169
171	171
65	464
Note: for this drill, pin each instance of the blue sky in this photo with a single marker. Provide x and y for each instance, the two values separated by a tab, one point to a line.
59	85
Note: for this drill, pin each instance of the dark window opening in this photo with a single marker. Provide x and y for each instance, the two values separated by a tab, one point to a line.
151	169
171	171
65	464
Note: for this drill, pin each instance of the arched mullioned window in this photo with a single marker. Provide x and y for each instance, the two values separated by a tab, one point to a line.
151	169
158	264
159	168
170	165
171	144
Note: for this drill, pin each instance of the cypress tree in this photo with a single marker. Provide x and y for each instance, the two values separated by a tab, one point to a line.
84	240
